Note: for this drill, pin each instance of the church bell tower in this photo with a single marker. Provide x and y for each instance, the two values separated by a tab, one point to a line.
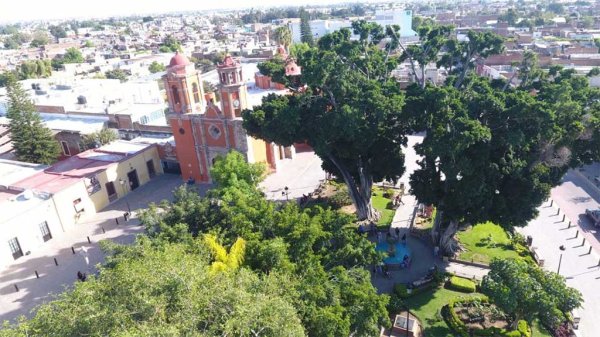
232	88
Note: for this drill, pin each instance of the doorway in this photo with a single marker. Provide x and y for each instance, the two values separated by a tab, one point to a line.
133	180
150	165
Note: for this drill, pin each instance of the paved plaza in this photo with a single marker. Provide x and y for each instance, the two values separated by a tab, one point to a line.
54	279
580	261
301	175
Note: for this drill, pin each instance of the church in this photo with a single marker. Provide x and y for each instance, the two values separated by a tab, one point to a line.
204	129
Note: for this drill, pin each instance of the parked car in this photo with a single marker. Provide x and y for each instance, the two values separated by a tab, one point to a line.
594	214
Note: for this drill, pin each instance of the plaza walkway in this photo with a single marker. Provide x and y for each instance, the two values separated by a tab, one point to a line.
301	175
53	278
579	263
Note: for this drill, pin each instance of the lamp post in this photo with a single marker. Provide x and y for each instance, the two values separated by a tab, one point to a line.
286	192
122	183
562	249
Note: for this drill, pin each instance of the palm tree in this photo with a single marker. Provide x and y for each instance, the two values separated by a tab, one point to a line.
283	36
225	262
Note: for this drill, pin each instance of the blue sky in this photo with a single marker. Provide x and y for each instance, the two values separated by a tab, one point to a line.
12	11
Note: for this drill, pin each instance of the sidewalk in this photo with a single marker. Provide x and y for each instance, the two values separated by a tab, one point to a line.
579	263
54	279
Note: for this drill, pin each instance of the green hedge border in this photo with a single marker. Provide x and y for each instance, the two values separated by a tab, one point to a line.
461	284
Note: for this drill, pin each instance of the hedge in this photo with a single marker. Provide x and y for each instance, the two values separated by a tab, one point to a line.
461	284
401	290
459	327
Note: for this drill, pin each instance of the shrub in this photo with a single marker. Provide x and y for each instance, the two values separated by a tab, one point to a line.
524	328
401	290
388	193
396	304
461	284
340	198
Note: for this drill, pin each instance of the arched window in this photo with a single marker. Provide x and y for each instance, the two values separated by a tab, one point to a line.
175	93
196	93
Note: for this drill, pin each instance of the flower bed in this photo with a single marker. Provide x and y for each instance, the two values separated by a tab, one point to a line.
478	316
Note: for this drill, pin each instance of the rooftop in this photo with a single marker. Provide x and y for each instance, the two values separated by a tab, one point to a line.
12	171
86	164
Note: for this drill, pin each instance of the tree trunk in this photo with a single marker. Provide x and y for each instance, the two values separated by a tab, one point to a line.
437	227
360	193
448	244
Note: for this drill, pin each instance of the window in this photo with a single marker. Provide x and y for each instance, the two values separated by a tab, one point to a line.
144	120
214	131
15	248
196	93
81	147
92	185
65	148
46	235
78	205
175	93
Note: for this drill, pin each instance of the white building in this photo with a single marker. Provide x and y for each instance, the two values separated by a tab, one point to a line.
396	16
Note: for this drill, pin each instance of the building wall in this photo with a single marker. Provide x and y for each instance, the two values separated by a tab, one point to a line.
119	171
259	150
64	202
25	227
73	141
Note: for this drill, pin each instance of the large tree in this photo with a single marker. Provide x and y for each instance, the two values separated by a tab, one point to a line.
350	112
32	140
57	32
439	47
163	289
493	154
283	36
331	290
529	292
306	35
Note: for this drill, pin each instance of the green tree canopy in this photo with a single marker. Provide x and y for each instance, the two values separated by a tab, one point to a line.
34	69
167	290
39	38
529	292
331	291
170	44
32	140
274	68
117	74
57	31
306	35
283	36
493	155
350	112
156	67
99	138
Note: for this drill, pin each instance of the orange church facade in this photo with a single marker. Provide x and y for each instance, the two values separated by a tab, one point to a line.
204	130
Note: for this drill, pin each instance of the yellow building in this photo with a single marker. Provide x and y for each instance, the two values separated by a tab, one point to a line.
46	203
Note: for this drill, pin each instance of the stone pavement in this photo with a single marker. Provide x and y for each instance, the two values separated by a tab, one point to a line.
54	279
302	175
580	263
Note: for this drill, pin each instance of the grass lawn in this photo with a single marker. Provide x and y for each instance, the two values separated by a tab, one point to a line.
538	331
427	307
480	249
380	203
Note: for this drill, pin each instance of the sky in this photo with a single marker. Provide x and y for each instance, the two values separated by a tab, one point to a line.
26	10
